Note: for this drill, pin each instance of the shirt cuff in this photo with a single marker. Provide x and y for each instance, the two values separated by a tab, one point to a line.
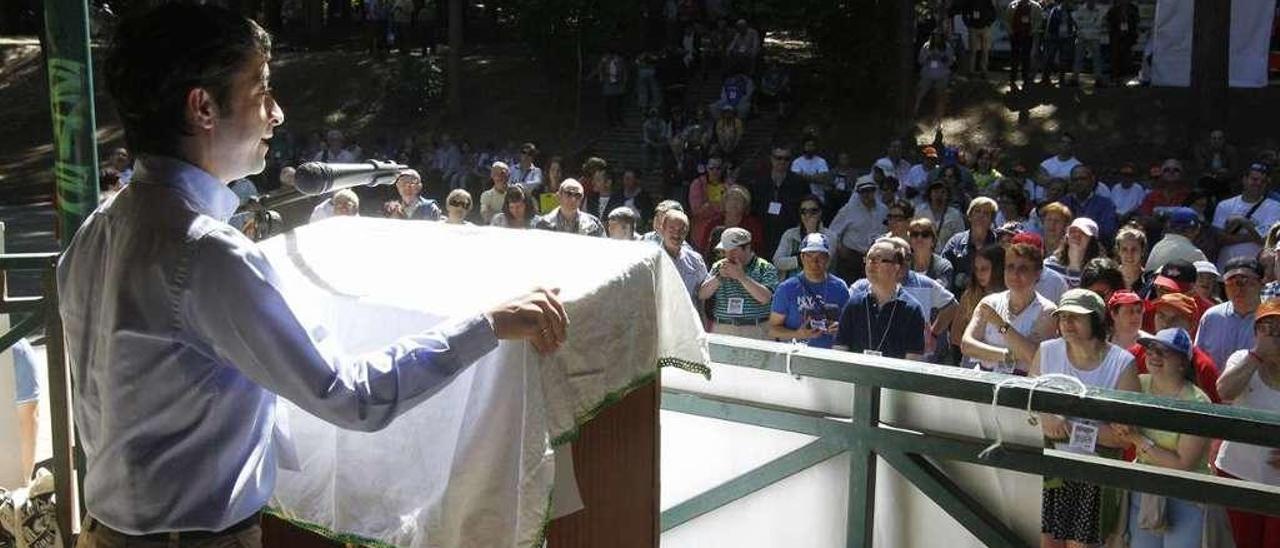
470	339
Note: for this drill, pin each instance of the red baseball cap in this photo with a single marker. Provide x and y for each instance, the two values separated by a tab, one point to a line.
1123	297
1029	238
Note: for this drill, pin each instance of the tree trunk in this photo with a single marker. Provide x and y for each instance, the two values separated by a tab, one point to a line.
1210	58
905	29
455	59
315	20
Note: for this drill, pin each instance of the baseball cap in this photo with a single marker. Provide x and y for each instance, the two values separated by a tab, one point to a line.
1177	275
886	165
1260	167
865	185
1267	309
815	242
1123	297
1081	301
1206	267
1180	302
734	237
1011	228
1241	265
1182	216
1174	338
1085	225
930	152
1029	238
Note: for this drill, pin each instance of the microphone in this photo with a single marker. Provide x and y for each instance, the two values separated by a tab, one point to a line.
314	178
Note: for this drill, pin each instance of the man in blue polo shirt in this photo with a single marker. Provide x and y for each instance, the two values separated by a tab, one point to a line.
806	307
883	320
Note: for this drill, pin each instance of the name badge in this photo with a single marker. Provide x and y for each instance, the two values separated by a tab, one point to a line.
775	208
1084	437
977	14
873	352
736	304
935	65
1124	27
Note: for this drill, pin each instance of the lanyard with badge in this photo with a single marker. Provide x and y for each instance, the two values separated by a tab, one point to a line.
816	315
1084	437
885	335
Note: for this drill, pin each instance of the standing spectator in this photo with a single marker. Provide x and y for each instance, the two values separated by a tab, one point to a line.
1127	194
525	173
935	58
1131	250
567	217
612	73
736	91
689	263
806	307
961	247
656	133
744	47
706	196
883	319
517	210
778	195
1216	158
411	204
1243	220
1084	201
620	224
900	167
1182	226
1122	33
1079	247
812	168
1251	380
1059	165
648	91
786	258
729	130
1172	375
1006	328
1023	18
925	261
1225	327
742	284
978	16
457	207
334	150
988	279
937	208
659	217
1171	190
856	227
492	200
1090	23
1071	512
1059	41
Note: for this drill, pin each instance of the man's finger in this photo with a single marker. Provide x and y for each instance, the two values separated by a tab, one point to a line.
557	309
555	328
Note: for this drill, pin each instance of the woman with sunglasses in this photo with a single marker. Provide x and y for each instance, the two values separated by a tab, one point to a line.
924	241
899	218
517	209
787	256
457	206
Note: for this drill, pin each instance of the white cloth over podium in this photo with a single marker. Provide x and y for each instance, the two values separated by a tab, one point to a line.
473	465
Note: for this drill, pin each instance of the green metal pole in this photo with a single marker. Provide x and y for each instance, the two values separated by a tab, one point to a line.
75	151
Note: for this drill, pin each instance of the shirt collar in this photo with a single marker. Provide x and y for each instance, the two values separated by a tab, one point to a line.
202	191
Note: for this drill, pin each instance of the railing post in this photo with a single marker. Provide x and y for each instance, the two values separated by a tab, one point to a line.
64	470
862	469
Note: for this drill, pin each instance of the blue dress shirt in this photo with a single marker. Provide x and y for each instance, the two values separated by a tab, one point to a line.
179	340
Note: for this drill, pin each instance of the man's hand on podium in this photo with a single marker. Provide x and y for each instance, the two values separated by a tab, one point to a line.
538	317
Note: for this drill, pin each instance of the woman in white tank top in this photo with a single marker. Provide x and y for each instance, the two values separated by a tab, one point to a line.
1071	514
1006	328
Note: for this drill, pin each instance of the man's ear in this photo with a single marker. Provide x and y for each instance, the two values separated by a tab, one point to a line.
201	109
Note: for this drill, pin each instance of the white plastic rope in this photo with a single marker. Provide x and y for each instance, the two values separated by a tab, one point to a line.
1064	383
796	347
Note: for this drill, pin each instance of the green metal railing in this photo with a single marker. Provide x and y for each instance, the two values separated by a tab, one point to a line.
42	311
912	452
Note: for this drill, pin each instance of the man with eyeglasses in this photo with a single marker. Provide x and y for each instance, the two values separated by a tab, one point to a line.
777	197
883	319
1171	190
937	302
856	226
568	217
1227	327
1243	220
411	204
742	284
492	200
1083	199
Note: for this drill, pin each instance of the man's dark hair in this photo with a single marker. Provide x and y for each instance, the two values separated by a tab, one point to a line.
1102	269
156	58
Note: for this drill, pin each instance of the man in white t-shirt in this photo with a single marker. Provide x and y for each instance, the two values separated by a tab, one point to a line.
893	163
1059	165
812	168
1244	220
918	176
1127	193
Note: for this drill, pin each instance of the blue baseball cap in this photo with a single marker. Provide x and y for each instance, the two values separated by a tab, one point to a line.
1183	216
1174	338
815	242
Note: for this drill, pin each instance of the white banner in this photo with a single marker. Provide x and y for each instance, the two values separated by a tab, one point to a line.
1250	36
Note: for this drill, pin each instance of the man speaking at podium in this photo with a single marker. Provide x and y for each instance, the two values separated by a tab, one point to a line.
178	337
